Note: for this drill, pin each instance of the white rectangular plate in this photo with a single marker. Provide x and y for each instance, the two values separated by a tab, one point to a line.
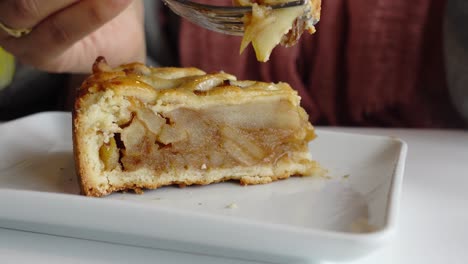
343	216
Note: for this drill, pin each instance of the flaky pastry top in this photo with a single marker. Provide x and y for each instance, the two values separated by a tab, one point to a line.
177	86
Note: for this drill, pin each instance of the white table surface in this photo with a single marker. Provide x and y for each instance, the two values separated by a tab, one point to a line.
433	221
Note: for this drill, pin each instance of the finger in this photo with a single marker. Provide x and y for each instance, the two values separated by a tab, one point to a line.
28	13
60	31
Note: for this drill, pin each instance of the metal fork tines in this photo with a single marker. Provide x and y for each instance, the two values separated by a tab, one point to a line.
223	19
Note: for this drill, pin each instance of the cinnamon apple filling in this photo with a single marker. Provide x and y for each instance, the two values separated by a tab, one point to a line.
221	136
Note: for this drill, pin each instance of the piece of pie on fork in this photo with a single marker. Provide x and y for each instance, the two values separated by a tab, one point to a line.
265	27
137	127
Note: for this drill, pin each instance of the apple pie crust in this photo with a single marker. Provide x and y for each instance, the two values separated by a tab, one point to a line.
137	127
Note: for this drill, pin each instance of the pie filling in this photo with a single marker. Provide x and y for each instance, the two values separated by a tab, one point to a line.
219	136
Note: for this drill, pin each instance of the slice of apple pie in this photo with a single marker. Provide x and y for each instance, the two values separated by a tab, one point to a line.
136	127
265	27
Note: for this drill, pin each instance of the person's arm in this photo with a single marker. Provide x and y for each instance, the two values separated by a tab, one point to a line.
456	52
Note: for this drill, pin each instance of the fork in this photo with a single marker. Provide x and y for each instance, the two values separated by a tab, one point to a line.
223	19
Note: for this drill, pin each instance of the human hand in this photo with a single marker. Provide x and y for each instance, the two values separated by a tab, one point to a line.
68	35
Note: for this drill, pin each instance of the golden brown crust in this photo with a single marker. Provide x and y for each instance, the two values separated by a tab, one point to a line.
163	88
149	84
80	163
245	180
304	23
